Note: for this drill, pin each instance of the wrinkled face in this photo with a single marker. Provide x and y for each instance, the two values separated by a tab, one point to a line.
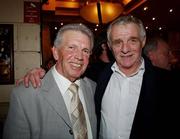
73	54
161	57
127	47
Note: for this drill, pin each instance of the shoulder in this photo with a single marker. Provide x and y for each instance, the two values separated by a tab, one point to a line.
89	82
88	85
22	92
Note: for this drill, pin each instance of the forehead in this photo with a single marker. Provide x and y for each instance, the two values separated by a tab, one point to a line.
73	33
125	31
163	46
75	37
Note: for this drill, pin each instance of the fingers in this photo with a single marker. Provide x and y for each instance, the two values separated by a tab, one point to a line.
34	77
39	75
42	73
19	81
26	80
37	78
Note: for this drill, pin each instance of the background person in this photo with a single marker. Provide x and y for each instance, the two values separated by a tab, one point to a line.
158	51
100	58
160	55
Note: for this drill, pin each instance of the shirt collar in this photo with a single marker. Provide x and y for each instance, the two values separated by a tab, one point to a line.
63	82
141	68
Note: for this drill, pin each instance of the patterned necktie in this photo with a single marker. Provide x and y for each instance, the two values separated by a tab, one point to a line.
77	114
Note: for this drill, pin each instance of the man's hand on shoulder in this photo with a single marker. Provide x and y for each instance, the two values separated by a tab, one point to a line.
33	76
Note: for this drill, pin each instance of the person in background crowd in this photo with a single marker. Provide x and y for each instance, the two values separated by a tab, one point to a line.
45	113
133	99
101	56
158	51
160	55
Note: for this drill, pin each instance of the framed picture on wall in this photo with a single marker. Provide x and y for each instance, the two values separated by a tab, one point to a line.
6	54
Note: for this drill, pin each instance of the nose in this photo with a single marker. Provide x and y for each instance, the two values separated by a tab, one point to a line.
125	48
79	54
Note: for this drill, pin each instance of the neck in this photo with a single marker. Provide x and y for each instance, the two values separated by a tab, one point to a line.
130	71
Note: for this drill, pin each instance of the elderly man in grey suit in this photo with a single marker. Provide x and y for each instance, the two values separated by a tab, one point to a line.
45	112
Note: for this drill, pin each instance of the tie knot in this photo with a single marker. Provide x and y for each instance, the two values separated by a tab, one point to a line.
73	88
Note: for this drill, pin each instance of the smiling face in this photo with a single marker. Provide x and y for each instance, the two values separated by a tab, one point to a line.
72	55
126	45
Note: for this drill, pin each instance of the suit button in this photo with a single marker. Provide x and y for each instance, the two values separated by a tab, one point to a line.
71	132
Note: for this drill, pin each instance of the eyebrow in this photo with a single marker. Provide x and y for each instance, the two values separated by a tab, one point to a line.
119	39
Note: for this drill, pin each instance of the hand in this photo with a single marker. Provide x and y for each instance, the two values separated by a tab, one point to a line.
33	76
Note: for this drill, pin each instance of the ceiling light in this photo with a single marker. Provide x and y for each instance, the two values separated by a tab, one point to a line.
101	11
170	10
153	18
145	8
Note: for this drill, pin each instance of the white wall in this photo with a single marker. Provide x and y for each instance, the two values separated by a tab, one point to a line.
11	11
26	42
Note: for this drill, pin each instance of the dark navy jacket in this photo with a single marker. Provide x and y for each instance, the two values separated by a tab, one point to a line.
155	116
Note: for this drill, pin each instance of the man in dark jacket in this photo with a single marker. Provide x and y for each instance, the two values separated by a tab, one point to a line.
132	97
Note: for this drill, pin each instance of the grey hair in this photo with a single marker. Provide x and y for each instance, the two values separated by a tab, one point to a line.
123	20
152	45
74	27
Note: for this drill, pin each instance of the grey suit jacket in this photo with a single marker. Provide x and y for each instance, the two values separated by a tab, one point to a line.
41	113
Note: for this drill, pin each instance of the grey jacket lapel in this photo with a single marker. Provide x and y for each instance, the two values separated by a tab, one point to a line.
52	95
88	89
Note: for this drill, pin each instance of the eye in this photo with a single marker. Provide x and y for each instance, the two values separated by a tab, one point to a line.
117	42
86	51
133	41
71	47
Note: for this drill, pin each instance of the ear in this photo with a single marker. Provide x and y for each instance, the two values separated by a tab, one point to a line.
55	53
108	44
103	46
151	55
143	42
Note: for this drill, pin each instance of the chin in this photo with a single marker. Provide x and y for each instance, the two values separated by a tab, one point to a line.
76	75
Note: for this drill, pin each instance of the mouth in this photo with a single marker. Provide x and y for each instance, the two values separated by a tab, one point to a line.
127	56
76	65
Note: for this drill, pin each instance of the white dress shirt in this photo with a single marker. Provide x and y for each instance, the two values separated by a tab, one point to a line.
119	103
63	85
